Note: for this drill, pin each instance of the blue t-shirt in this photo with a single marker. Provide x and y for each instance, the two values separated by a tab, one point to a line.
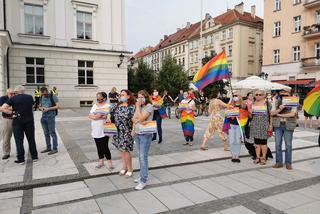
46	103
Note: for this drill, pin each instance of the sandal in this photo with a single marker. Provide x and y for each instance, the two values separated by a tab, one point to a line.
190	144
185	144
99	166
263	161
257	160
204	148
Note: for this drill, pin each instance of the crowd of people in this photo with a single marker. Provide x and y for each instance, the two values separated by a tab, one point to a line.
17	117
136	120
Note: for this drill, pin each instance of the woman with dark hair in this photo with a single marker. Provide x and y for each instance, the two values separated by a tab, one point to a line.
216	122
99	114
123	114
143	114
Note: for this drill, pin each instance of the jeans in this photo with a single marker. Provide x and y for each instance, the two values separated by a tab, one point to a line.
20	128
157	117
234	140
282	132
48	123
143	143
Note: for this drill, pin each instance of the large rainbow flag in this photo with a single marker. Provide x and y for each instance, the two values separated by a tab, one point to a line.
216	69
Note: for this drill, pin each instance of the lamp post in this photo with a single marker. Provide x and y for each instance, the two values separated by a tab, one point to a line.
264	75
121	57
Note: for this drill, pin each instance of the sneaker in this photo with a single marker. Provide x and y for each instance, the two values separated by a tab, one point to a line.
35	160
128	174
53	152
21	162
137	180
5	157
46	150
277	165
140	186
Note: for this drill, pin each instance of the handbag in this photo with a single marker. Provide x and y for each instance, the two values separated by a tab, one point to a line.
110	129
149	127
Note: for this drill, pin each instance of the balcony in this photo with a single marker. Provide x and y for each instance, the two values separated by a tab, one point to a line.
311	62
311	3
311	31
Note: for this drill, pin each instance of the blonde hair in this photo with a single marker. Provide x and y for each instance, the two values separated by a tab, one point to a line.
114	89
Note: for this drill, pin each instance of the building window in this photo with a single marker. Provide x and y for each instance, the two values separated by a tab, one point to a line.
230	50
297	23
223	35
318	16
179	49
84	25
183	62
317	51
179	61
85	72
230	33
277	29
296	2
33	19
191	45
176	51
277	5
35	70
211	39
276	56
217	37
86	103
296	53
183	49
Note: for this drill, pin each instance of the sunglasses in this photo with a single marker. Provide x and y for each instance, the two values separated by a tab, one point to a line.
258	94
235	95
100	100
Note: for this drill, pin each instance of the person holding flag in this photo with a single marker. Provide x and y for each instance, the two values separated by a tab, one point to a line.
159	113
186	107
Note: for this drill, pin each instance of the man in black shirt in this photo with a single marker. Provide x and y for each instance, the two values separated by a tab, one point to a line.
6	126
23	122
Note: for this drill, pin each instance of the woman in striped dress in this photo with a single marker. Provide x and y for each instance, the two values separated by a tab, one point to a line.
187	118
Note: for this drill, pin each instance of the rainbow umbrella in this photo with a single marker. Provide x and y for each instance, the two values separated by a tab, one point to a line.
311	103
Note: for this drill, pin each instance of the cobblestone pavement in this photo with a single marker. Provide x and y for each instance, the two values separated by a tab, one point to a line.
182	179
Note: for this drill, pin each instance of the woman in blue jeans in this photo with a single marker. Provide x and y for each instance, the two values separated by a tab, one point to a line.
144	113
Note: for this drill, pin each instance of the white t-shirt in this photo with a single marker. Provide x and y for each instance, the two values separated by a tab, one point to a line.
190	104
97	129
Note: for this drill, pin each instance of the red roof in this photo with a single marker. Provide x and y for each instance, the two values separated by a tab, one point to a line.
143	52
294	82
232	16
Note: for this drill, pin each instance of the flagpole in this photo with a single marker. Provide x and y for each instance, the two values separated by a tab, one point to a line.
201	32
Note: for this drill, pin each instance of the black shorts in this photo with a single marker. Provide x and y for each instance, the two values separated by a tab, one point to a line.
260	141
307	115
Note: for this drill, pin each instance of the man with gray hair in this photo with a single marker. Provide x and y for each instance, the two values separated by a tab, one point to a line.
6	126
23	122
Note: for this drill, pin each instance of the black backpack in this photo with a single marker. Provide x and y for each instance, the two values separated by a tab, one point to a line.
53	102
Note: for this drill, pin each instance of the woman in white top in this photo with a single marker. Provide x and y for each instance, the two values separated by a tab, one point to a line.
98	116
144	112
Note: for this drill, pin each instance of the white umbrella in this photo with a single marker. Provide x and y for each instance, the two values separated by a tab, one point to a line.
255	83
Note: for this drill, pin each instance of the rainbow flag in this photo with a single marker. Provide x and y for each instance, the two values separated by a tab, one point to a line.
242	121
187	123
103	111
216	69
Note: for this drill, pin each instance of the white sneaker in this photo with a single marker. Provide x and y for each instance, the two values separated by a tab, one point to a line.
128	174
140	186
137	180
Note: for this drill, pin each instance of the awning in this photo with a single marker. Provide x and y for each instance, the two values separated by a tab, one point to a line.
314	84
294	82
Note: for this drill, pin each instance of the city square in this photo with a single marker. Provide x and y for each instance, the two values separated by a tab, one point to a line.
168	106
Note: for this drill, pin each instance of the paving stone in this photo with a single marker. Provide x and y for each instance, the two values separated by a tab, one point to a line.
237	210
275	201
144	202
182	172
192	192
215	189
83	207
115	204
60	193
164	175
121	182
268	178
171	198
10	203
311	208
10	211
249	179
13	194
100	185
233	184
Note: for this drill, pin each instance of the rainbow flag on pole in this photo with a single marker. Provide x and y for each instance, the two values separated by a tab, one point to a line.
216	69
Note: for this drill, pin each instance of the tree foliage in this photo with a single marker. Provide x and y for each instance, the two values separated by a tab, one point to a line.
171	77
141	78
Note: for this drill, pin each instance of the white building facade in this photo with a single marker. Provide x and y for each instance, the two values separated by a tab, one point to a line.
74	45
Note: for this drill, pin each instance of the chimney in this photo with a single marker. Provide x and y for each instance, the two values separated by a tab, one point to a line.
208	16
239	8
178	29
165	37
188	24
253	11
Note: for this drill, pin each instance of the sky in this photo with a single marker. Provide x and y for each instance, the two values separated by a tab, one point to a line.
148	20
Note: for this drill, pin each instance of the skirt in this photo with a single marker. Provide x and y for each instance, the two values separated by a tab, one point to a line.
187	123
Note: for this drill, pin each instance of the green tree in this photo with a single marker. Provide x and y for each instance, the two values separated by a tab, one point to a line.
216	86
171	77
143	77
131	79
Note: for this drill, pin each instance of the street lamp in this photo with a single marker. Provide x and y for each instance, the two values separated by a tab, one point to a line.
121	57
264	75
132	61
